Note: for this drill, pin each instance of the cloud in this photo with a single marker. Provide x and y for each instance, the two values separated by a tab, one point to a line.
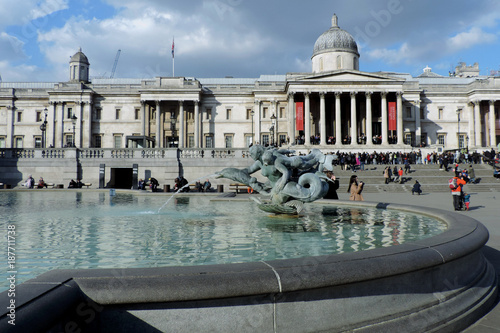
465	40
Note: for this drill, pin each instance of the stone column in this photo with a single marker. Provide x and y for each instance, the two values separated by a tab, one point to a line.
196	124
493	138
60	136
143	117
257	122
477	124
338	121
79	127
472	134
181	125
369	118
322	121
291	117
385	138
11	115
418	126
399	115
307	119
52	116
354	121
88	128
158	138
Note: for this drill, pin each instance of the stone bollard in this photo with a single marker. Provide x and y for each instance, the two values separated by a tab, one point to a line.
220	188
166	188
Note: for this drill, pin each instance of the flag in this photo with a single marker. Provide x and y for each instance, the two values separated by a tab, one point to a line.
172	48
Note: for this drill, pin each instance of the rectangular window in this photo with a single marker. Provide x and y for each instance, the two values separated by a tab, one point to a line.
422	113
97	115
408	139
282	112
68	138
248	140
441	139
228	114
38	116
209	141
461	141
228	138
264	112
19	116
191	141
137	114
265	139
208	113
18	142
69	113
117	141
282	140
97	141
38	142
423	139
117	114
2	142
408	112
249	114
440	113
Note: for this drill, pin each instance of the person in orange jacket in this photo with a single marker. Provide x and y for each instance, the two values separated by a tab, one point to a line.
457	193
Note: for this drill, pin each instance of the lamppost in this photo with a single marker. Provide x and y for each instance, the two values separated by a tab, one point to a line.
458	133
252	113
273	127
73	120
43	128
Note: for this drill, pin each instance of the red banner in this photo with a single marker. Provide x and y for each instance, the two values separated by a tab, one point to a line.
299	116
393	123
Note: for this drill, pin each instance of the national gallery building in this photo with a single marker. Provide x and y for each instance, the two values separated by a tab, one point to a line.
334	106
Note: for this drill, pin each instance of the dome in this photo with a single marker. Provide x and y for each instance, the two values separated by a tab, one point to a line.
80	57
335	39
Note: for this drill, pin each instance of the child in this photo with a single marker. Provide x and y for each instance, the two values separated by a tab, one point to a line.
466	200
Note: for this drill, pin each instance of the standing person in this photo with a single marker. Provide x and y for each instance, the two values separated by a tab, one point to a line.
400	173
466	200
472	174
456	184
154	184
387	174
355	188
333	186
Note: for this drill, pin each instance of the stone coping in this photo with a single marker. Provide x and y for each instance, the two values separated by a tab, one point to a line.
463	238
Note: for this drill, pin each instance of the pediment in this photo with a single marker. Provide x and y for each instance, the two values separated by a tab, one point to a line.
348	76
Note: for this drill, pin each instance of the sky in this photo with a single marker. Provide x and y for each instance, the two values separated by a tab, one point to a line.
240	38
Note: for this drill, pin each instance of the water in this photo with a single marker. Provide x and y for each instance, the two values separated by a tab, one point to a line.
69	229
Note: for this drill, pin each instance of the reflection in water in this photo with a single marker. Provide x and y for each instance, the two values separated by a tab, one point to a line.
94	230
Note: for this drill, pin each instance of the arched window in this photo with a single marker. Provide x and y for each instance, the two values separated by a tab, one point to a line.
339	62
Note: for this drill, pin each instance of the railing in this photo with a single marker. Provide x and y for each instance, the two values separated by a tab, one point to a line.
125	153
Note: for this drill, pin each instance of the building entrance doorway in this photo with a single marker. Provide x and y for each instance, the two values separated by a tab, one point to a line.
121	178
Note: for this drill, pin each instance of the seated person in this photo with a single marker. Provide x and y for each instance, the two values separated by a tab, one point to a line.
207	186
72	184
41	183
79	183
142	184
198	187
416	188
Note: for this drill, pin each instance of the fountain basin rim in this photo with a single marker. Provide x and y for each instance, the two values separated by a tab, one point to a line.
183	283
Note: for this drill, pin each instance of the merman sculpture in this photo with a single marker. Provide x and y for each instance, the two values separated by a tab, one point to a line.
292	180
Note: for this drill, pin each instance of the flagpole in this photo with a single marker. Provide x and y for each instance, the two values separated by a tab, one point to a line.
173	58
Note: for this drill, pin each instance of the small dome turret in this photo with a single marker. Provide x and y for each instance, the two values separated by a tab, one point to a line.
79	67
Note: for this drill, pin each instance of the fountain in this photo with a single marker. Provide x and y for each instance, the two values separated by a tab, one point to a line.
440	283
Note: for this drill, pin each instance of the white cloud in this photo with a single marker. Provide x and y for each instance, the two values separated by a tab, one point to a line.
468	39
392	56
48	7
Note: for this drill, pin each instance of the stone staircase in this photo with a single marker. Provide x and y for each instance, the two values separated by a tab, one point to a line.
429	176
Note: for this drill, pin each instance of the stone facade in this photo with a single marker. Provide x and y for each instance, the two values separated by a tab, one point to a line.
342	108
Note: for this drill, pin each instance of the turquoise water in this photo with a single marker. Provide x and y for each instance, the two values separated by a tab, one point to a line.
80	229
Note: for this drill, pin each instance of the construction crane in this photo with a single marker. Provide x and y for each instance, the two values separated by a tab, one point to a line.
114	65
